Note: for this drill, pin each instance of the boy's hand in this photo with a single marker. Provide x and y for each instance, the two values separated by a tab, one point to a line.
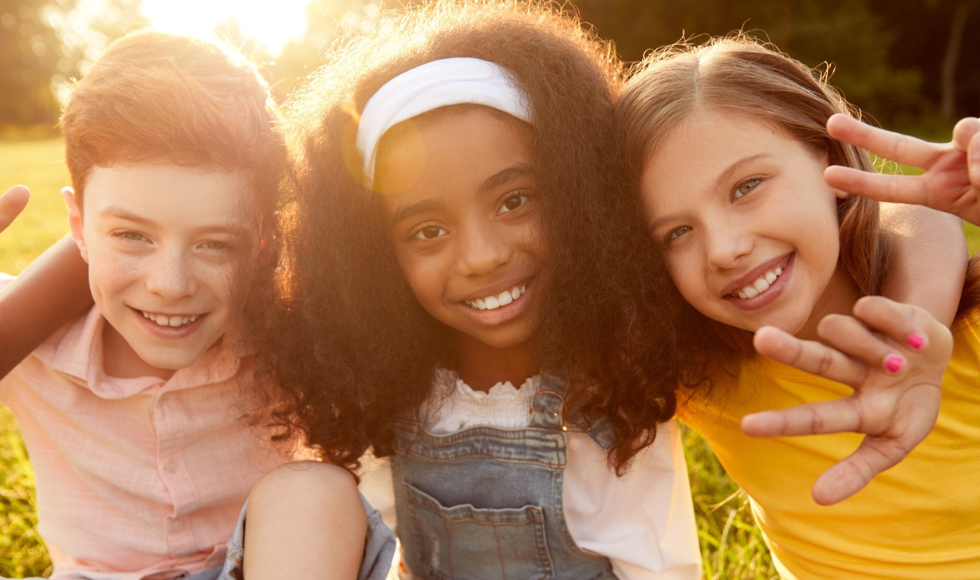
894	356
12	203
951	182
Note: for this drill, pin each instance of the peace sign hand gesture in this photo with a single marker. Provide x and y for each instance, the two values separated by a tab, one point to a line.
951	182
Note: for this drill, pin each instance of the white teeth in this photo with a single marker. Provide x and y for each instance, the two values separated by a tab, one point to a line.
494	302
169	321
759	285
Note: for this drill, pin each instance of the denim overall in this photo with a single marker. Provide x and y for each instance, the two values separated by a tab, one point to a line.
485	503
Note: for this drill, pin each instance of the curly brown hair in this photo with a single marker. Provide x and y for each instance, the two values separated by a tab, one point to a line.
348	344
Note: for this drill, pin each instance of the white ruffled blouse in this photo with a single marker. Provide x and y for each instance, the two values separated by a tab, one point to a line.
643	522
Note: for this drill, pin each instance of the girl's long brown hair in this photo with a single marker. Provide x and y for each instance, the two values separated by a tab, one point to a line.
742	76
347	343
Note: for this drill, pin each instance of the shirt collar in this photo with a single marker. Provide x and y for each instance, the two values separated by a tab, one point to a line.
77	351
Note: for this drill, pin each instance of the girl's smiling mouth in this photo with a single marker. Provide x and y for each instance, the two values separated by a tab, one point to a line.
498	308
761	285
496	301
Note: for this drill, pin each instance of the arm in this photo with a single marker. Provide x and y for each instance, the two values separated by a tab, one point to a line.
47	294
927	258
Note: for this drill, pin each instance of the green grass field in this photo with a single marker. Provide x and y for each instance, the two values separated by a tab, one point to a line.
732	547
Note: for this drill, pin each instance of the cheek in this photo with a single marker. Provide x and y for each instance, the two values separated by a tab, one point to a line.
224	281
686	276
421	274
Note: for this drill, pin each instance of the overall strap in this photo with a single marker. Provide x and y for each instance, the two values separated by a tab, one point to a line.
548	405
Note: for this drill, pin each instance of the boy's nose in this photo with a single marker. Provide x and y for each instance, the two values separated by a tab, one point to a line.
171	276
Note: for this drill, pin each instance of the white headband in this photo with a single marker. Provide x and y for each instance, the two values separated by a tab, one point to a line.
440	83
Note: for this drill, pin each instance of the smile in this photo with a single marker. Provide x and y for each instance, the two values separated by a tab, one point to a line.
169	321
495	302
759	285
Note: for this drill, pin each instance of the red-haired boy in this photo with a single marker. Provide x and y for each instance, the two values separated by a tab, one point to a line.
135	415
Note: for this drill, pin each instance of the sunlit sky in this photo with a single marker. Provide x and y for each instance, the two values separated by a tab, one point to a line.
272	23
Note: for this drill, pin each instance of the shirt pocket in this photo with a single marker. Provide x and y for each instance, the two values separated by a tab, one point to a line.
467	543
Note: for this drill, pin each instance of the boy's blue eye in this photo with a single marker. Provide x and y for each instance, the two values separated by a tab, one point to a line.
745	187
513	202
677	232
429	233
132	236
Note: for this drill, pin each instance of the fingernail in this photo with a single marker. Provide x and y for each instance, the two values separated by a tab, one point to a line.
915	341
893	363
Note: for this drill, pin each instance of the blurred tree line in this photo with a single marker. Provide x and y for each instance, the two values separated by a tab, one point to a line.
907	62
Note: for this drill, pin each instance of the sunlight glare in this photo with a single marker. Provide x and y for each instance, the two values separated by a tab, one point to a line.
272	24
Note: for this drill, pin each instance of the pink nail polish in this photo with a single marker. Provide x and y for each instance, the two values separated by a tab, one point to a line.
915	341
893	363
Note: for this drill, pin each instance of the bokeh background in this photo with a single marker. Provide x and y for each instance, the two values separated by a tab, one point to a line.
911	65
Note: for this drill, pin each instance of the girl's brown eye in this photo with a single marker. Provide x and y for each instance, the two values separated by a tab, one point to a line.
429	233
513	202
746	187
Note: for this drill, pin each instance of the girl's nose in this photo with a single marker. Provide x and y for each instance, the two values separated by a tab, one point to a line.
725	246
481	251
171	276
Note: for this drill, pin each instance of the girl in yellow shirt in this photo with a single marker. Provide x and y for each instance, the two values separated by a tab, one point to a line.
730	143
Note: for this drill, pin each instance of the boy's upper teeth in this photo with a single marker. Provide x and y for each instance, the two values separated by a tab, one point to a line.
760	285
165	320
494	302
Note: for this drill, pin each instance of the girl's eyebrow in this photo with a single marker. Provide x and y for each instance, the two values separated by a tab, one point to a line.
505	175
723	177
734	167
426	205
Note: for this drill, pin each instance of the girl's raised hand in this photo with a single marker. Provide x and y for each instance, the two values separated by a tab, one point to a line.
951	182
894	356
12	203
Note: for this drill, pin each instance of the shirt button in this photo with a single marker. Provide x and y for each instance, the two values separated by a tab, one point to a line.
170	467
177	525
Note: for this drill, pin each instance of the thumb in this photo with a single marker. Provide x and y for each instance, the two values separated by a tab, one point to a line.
12	203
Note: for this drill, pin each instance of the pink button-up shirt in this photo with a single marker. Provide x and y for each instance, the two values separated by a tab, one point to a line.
136	478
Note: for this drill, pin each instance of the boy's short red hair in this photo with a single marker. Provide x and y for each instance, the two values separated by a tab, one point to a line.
162	98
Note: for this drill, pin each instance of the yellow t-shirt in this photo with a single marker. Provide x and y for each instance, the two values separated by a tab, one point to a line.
919	520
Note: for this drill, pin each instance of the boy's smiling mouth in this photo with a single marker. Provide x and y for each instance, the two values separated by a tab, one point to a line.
169	321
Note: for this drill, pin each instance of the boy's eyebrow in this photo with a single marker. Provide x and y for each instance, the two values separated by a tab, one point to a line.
505	175
734	167
119	212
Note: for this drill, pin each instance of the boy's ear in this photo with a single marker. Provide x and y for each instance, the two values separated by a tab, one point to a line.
75	221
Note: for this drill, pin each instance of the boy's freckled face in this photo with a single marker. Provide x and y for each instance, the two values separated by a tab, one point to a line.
164	245
748	224
458	190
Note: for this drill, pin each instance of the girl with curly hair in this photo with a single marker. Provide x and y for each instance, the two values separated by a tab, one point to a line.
454	296
728	143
